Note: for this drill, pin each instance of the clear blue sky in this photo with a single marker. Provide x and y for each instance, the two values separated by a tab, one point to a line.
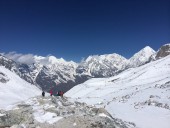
73	29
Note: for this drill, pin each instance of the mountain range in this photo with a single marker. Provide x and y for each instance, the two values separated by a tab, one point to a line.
58	74
135	96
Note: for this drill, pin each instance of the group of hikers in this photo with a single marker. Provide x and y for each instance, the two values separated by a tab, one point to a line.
58	93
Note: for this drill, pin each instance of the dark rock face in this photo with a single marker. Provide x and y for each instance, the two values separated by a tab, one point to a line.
70	84
163	51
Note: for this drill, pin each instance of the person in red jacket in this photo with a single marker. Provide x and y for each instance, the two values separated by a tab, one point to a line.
51	92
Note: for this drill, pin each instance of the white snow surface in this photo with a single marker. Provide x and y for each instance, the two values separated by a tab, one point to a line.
140	95
15	89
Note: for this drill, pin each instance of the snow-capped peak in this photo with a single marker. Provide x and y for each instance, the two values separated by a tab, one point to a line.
102	65
104	57
141	57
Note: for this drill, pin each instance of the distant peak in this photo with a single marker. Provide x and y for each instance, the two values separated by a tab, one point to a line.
147	49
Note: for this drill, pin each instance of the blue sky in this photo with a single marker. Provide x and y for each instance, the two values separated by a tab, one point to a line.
73	29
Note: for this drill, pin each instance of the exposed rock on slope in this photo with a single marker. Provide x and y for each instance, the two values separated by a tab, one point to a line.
163	51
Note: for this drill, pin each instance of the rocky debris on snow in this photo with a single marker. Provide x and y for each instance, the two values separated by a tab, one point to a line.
151	102
166	85
3	78
51	112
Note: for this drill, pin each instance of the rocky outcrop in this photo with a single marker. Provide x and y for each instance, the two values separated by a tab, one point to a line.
163	51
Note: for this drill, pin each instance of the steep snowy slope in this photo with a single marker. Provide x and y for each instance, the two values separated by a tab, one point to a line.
14	89
140	95
141	57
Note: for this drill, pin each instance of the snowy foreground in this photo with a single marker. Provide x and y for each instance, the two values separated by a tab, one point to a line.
139	95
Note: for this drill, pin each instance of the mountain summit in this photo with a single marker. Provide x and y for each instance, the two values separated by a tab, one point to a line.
141	57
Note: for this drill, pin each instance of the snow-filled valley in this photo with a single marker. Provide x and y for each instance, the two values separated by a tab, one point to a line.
140	95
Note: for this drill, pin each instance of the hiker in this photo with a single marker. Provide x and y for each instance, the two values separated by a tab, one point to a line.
43	93
51	92
61	93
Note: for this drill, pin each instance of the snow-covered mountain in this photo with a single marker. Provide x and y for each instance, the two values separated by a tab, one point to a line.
103	65
51	72
141	57
140	95
46	72
14	89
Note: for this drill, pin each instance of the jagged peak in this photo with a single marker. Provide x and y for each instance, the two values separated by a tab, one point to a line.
104	56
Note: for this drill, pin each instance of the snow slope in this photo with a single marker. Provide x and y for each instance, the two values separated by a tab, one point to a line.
140	95
14	89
